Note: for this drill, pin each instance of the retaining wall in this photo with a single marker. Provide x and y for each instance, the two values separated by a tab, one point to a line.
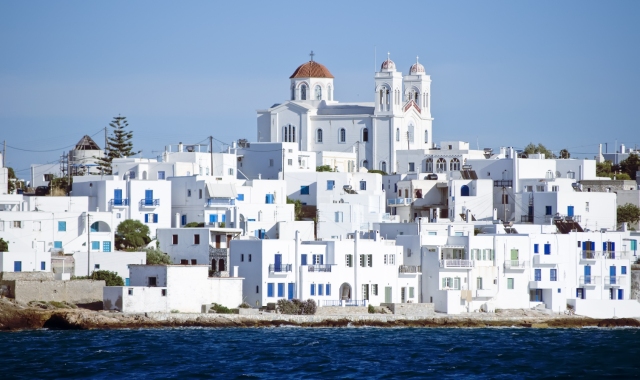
76	291
421	309
339	310
635	285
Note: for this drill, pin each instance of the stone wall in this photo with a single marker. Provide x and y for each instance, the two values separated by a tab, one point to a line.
76	291
635	285
421	309
339	310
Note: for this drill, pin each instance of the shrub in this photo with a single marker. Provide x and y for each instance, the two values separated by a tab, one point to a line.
155	256
4	245
296	307
220	309
194	225
244	305
371	309
309	307
110	278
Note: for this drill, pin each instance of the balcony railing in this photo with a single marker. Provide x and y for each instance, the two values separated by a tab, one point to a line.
400	201
220	202
355	302
279	268
455	263
409	269
149	202
119	202
589	280
514	264
503	183
566	218
319	268
331	303
594	255
613	280
526	218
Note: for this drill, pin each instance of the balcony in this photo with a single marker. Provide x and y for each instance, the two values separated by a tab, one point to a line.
503	183
613	281
486	293
119	202
211	202
319	268
409	269
589	280
515	264
596	255
149	202
279	268
540	259
455	263
400	202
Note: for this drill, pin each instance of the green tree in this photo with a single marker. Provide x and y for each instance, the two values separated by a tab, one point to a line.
564	153
4	245
603	169
118	144
324	168
11	186
132	234
629	213
194	225
532	148
110	278
630	165
622	176
156	256
378	172
297	207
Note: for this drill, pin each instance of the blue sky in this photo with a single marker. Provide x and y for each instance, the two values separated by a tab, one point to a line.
505	73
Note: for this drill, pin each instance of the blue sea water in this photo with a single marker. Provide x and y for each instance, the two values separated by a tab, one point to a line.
285	352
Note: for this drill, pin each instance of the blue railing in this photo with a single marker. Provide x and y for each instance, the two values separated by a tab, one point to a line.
119	202
150	202
319	268
277	268
220	201
354	302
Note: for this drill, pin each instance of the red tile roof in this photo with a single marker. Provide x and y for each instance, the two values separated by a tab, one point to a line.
311	69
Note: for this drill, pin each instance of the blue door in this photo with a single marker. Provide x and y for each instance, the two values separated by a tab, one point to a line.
612	273
569	210
620	294
148	197
587	274
106	246
17	266
117	197
290	290
278	263
612	249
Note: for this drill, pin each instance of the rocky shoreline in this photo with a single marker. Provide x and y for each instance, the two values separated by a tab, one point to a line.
18	317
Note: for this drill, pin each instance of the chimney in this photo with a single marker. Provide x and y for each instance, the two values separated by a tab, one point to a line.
180	147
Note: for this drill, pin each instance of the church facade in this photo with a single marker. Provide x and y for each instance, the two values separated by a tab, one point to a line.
399	117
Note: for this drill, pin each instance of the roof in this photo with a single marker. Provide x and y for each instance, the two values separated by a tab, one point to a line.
311	69
346	109
221	190
87	143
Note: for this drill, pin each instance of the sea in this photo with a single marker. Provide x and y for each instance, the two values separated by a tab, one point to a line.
319	353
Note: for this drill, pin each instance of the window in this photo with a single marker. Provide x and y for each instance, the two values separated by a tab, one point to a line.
57	244
327	289
339	217
43	265
196	239
313	289
95	245
571	174
397	134
540	188
412	166
17	224
411	292
451	283
331	185
189	193
242	257
342	135
249	257
164	292
586	207
426	136
271	162
374	289
509	283
536	248
349	260
199	193
281	289
537	275
320	289
118	215
184	220
151	218
441	165
365	291
428	165
548	210
464	191
369	260
383	166
161	174
553	275
547	249
479	283
230	171
106	246
410	133
257	289
392	259
290	162
174	239
130	291
528	189
62	226
555	188
318	91
304	190
363	185
623	270
365	135
454	164
319	135
96	266
270	289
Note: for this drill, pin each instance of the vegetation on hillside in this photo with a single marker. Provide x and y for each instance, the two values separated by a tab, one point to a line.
118	144
132	235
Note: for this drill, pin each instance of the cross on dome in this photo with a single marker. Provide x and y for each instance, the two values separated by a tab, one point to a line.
311	55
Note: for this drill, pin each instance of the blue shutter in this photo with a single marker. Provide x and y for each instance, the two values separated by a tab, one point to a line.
117	197
270	289
535	248
569	210
291	290
278	263
211	218
321	259
593	245
303	259
604	246
623	270
146	218
538	275
224	218
184	220
313	261
547	249
17	266
43	265
148	197
95	245
57	244
155	218
313	289
62	226
281	289
328	289
584	246
240	197
620	294
320	289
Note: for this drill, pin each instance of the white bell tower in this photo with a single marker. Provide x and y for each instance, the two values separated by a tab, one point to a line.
388	89
417	87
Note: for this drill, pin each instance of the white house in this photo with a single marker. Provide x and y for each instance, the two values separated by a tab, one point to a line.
267	160
168	288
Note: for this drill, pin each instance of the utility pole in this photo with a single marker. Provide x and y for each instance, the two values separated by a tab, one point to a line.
68	173
88	244
4	154
211	148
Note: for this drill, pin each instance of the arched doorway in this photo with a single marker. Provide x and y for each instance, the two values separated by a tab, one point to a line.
213	265
221	265
345	291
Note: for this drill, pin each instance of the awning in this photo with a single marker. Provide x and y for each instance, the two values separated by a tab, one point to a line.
221	190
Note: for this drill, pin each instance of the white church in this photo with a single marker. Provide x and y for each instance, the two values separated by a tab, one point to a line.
398	118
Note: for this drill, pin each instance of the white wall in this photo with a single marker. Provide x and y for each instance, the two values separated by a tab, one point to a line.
29	261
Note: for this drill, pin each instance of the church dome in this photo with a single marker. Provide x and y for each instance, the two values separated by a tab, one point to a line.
311	69
388	65
416	68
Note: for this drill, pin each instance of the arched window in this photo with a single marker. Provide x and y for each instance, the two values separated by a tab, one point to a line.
388	100
289	133
454	164
464	191
330	92
441	165
428	165
303	92
221	265
397	134
342	136
213	265
365	135
406	193
410	133
416	95
318	92
293	93
319	135
380	99
365	164
383	166
426	136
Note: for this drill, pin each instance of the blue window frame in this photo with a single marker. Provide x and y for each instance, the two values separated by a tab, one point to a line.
303	259
304	190
281	289
331	184
547	249
363	185
106	246
623	270
57	244
184	220
62	226
95	227
161	174
553	275
538	275
95	245
240	197
213	218
547	210
536	248
313	289
117	197
291	290
320	289
155	218
270	289
327	289
43	265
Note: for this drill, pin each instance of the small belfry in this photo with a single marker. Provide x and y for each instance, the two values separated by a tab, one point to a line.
311	81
